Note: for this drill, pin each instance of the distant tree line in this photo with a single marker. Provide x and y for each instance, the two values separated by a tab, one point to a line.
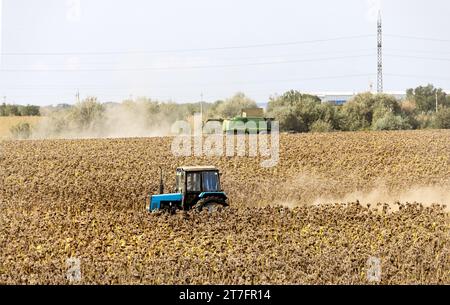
366	111
19	110
295	111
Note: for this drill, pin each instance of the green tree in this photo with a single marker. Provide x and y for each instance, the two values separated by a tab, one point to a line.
331	114
383	104
21	131
289	119
442	118
88	114
212	112
12	110
365	109
390	121
358	112
3	110
296	111
19	110
425	98
29	110
232	106
321	126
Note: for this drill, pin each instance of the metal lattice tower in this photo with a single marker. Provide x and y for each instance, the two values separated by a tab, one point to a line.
380	55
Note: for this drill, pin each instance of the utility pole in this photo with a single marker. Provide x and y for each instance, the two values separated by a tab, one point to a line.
201	106
380	55
436	101
78	96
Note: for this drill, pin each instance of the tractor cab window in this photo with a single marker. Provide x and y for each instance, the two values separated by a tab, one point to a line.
180	181
211	182
193	182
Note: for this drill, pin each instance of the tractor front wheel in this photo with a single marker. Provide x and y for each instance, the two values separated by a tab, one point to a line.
211	204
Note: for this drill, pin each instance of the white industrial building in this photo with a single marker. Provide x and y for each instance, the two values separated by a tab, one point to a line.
339	98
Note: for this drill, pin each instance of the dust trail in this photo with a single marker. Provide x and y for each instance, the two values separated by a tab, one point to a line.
426	195
315	189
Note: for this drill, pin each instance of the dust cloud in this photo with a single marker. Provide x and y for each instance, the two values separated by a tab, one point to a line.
314	189
426	195
115	122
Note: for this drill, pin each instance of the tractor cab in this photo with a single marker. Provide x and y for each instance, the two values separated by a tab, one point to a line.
195	187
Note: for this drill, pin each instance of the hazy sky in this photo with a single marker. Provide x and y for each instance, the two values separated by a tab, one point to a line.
177	49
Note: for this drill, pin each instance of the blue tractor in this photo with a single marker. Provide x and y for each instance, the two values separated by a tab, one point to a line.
197	187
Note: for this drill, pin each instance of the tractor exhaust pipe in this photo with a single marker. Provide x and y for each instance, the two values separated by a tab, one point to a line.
161	182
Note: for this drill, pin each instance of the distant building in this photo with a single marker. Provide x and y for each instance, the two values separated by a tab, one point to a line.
340	98
336	98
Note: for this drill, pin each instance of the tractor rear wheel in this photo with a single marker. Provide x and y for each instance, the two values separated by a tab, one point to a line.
211	204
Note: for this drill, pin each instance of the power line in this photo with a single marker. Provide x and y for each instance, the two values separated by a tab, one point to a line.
418	51
418	38
188	67
94	91
71	88
278	44
218	48
297	54
108	95
254	57
418	57
436	77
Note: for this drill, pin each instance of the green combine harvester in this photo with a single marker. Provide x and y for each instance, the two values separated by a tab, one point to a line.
251	121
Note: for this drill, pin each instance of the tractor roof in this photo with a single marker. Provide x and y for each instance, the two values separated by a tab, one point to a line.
198	168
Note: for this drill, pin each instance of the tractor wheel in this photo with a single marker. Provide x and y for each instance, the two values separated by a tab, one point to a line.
211	204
